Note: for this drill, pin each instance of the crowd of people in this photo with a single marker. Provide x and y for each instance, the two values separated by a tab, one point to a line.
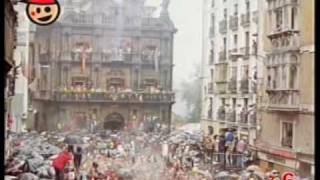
150	153
227	149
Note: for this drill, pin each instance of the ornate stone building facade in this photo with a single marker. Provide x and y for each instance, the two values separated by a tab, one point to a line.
286	113
107	62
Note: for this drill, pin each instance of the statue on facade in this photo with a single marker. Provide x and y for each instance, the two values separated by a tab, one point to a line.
165	5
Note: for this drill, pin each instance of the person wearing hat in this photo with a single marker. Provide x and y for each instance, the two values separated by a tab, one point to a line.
42	12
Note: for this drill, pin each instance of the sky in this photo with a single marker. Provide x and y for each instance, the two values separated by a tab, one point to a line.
187	17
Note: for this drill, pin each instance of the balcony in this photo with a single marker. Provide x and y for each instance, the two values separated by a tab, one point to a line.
286	142
109	97
231	52
211	32
222	56
232	85
283	100
285	40
233	23
223	26
244	85
245	19
220	75
221	114
231	116
221	88
245	51
210	88
255	17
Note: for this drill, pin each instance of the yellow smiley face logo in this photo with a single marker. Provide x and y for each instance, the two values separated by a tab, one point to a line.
43	14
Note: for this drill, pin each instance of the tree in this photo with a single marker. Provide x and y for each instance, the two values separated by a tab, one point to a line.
191	94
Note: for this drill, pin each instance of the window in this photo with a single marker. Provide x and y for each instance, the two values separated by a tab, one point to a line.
245	102
212	3
44	77
224	44
287	134
278	19
293	77
234	73
247	43
211	72
165	79
212	25
236	9
248	7
225	13
284	77
235	41
210	109
234	103
212	20
245	71
293	18
223	101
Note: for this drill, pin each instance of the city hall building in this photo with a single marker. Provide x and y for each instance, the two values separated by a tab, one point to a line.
106	62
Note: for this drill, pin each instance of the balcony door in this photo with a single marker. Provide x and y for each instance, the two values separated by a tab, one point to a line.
115	84
80	81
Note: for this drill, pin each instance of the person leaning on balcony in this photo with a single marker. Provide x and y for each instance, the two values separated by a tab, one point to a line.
241	147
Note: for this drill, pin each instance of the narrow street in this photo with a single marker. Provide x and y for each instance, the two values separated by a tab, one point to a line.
159	90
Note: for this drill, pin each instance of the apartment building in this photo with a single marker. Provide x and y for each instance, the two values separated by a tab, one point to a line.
230	67
286	140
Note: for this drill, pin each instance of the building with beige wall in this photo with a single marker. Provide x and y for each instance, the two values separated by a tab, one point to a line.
286	110
104	61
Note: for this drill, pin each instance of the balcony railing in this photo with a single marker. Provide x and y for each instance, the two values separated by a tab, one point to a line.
283	99
222	56
211	33
245	51
221	114
100	57
244	85
210	88
233	23
286	142
245	19
232	52
223	26
232	85
221	87
231	116
109	97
